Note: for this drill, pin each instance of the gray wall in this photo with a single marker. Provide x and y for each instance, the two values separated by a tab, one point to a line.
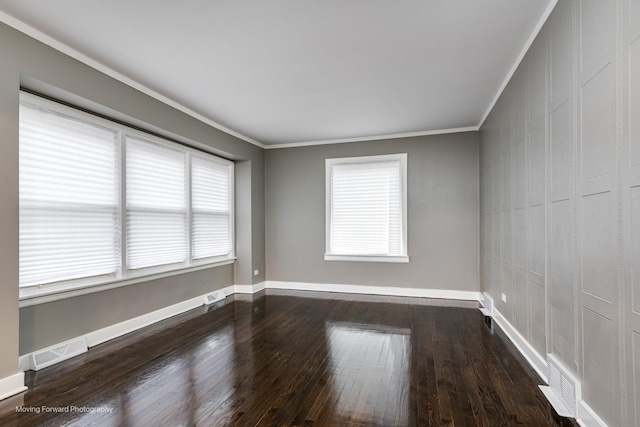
51	323
560	200
37	67
442	215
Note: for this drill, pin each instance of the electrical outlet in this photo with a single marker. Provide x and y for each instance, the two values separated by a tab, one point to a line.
256	272
504	298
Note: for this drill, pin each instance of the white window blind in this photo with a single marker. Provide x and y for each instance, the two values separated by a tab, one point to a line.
366	206
68	198
156	194
211	196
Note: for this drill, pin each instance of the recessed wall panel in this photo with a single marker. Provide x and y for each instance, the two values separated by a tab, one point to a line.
636	371
520	171
634	102
519	105
506	176
596	251
488	234
484	237
520	233
594	30
536	160
635	232
538	326
496	279
536	238
560	32
521	293
597	147
497	236
507	235
634	11
537	86
599	374
507	289
561	145
497	185
561	281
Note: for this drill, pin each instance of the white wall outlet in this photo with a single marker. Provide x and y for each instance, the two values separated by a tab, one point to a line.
504	298
256	272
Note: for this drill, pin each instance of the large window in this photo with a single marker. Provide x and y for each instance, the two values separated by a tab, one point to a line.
101	202
366	208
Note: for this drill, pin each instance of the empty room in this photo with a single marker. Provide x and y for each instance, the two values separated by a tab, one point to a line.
320	213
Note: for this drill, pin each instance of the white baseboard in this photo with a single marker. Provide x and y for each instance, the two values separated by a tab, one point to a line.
249	289
114	331
12	385
24	362
110	332
588	417
376	290
537	362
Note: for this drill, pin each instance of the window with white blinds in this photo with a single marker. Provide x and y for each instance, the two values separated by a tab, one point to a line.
69	224
366	208
101	202
211	208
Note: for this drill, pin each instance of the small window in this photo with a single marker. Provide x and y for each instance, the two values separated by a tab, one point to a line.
367	208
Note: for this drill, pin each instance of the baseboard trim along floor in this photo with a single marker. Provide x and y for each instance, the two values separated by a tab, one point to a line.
13	385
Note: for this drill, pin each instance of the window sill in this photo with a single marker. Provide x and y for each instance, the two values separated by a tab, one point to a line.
367	258
34	295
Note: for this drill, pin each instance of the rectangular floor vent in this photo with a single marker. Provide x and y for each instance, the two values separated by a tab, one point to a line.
214	297
52	355
564	391
487	305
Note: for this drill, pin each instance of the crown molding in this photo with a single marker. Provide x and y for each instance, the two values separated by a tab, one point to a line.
69	51
372	138
516	64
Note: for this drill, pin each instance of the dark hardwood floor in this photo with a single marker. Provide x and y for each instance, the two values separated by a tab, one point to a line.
286	358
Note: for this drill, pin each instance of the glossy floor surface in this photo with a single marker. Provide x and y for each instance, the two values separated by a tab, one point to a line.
285	358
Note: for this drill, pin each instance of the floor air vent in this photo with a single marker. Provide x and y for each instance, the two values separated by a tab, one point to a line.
563	391
487	305
214	297
49	356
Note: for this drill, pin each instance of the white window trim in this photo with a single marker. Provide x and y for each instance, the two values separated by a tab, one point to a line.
404	257
41	293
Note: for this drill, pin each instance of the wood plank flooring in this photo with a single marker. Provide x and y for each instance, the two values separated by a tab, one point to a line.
288	358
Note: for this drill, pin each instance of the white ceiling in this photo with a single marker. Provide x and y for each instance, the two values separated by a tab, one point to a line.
294	71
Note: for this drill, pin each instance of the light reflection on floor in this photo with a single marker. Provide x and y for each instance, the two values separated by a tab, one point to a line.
374	361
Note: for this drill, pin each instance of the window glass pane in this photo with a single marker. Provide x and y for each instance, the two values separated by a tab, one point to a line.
68	198
156	205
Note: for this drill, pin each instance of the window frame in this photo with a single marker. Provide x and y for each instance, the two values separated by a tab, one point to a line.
329	163
51	291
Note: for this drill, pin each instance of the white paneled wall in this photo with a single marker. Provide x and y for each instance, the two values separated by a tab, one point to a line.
629	187
560	201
